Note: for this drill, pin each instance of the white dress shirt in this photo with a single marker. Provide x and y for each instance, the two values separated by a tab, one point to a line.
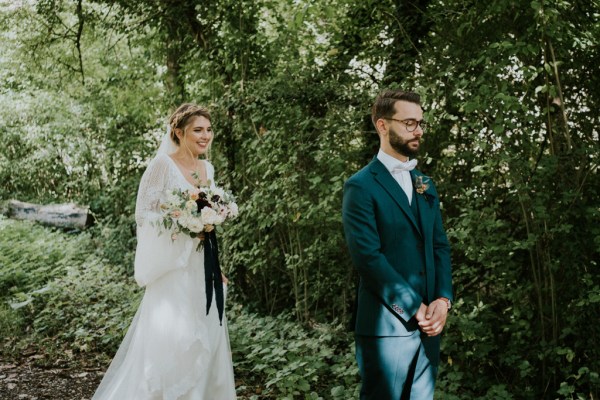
400	171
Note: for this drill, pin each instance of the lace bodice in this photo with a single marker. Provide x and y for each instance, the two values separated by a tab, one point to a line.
161	175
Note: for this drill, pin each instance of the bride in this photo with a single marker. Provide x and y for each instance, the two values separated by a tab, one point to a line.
174	349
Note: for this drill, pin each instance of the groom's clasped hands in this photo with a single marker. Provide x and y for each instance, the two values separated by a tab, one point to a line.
432	318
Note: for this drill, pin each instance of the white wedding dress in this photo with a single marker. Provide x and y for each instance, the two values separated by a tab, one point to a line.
173	350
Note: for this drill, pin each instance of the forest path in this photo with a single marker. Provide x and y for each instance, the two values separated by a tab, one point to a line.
25	380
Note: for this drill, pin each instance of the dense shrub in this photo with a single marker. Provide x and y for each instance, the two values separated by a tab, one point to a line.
71	300
275	357
58	287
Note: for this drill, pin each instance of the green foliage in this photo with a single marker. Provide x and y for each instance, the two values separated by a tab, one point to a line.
517	152
55	286
87	306
68	141
510	90
11	324
291	184
90	307
31	256
285	361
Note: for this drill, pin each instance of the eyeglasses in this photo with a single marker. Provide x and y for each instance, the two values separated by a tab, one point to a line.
410	124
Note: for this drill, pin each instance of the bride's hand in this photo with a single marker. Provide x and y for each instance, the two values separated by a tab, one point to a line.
224	278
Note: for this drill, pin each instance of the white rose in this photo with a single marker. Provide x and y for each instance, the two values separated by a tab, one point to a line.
210	216
219	192
184	220
185	213
196	225
190	205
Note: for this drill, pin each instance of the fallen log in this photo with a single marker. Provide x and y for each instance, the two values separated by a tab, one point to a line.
59	215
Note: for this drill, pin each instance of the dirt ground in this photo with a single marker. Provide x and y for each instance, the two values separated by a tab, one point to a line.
34	377
26	381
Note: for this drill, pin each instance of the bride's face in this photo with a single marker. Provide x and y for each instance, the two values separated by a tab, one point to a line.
197	135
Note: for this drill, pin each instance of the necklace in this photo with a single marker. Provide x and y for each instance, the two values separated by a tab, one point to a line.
194	168
193	172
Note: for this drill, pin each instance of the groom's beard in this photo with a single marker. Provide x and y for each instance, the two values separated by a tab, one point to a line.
401	146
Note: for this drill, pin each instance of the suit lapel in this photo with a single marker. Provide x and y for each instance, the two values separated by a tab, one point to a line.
424	207
385	179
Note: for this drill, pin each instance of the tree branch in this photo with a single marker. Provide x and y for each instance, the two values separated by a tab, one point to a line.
81	20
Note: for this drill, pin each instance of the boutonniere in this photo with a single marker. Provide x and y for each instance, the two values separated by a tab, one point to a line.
422	183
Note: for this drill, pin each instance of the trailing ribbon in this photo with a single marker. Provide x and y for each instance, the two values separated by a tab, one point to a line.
212	273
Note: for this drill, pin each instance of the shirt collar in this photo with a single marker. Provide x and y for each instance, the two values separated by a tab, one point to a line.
388	161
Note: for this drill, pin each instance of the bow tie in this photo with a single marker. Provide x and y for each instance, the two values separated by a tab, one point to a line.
404	166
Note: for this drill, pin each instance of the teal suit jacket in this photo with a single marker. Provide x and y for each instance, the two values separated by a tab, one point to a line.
402	254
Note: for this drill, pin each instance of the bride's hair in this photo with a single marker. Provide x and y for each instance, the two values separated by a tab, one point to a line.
180	118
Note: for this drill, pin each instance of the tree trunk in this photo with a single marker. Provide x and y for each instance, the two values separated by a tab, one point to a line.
58	215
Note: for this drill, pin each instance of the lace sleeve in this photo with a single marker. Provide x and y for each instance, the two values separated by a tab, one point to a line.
156	253
152	186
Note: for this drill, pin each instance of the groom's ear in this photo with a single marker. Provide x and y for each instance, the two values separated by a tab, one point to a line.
381	127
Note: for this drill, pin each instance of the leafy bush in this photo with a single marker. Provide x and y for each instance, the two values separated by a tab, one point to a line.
31	255
65	297
59	288
89	308
277	358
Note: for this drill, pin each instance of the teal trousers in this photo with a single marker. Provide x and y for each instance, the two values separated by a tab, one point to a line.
397	368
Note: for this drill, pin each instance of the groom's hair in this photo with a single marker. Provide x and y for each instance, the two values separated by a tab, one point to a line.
385	101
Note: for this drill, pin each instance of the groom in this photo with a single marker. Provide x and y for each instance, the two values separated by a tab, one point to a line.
394	232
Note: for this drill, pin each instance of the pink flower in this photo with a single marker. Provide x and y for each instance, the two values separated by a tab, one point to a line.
176	214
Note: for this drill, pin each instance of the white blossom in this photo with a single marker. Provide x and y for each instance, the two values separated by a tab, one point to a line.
210	217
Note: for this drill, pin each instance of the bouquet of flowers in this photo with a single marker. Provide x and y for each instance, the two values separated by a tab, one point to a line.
193	212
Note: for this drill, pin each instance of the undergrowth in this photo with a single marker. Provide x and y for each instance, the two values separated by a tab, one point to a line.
60	295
